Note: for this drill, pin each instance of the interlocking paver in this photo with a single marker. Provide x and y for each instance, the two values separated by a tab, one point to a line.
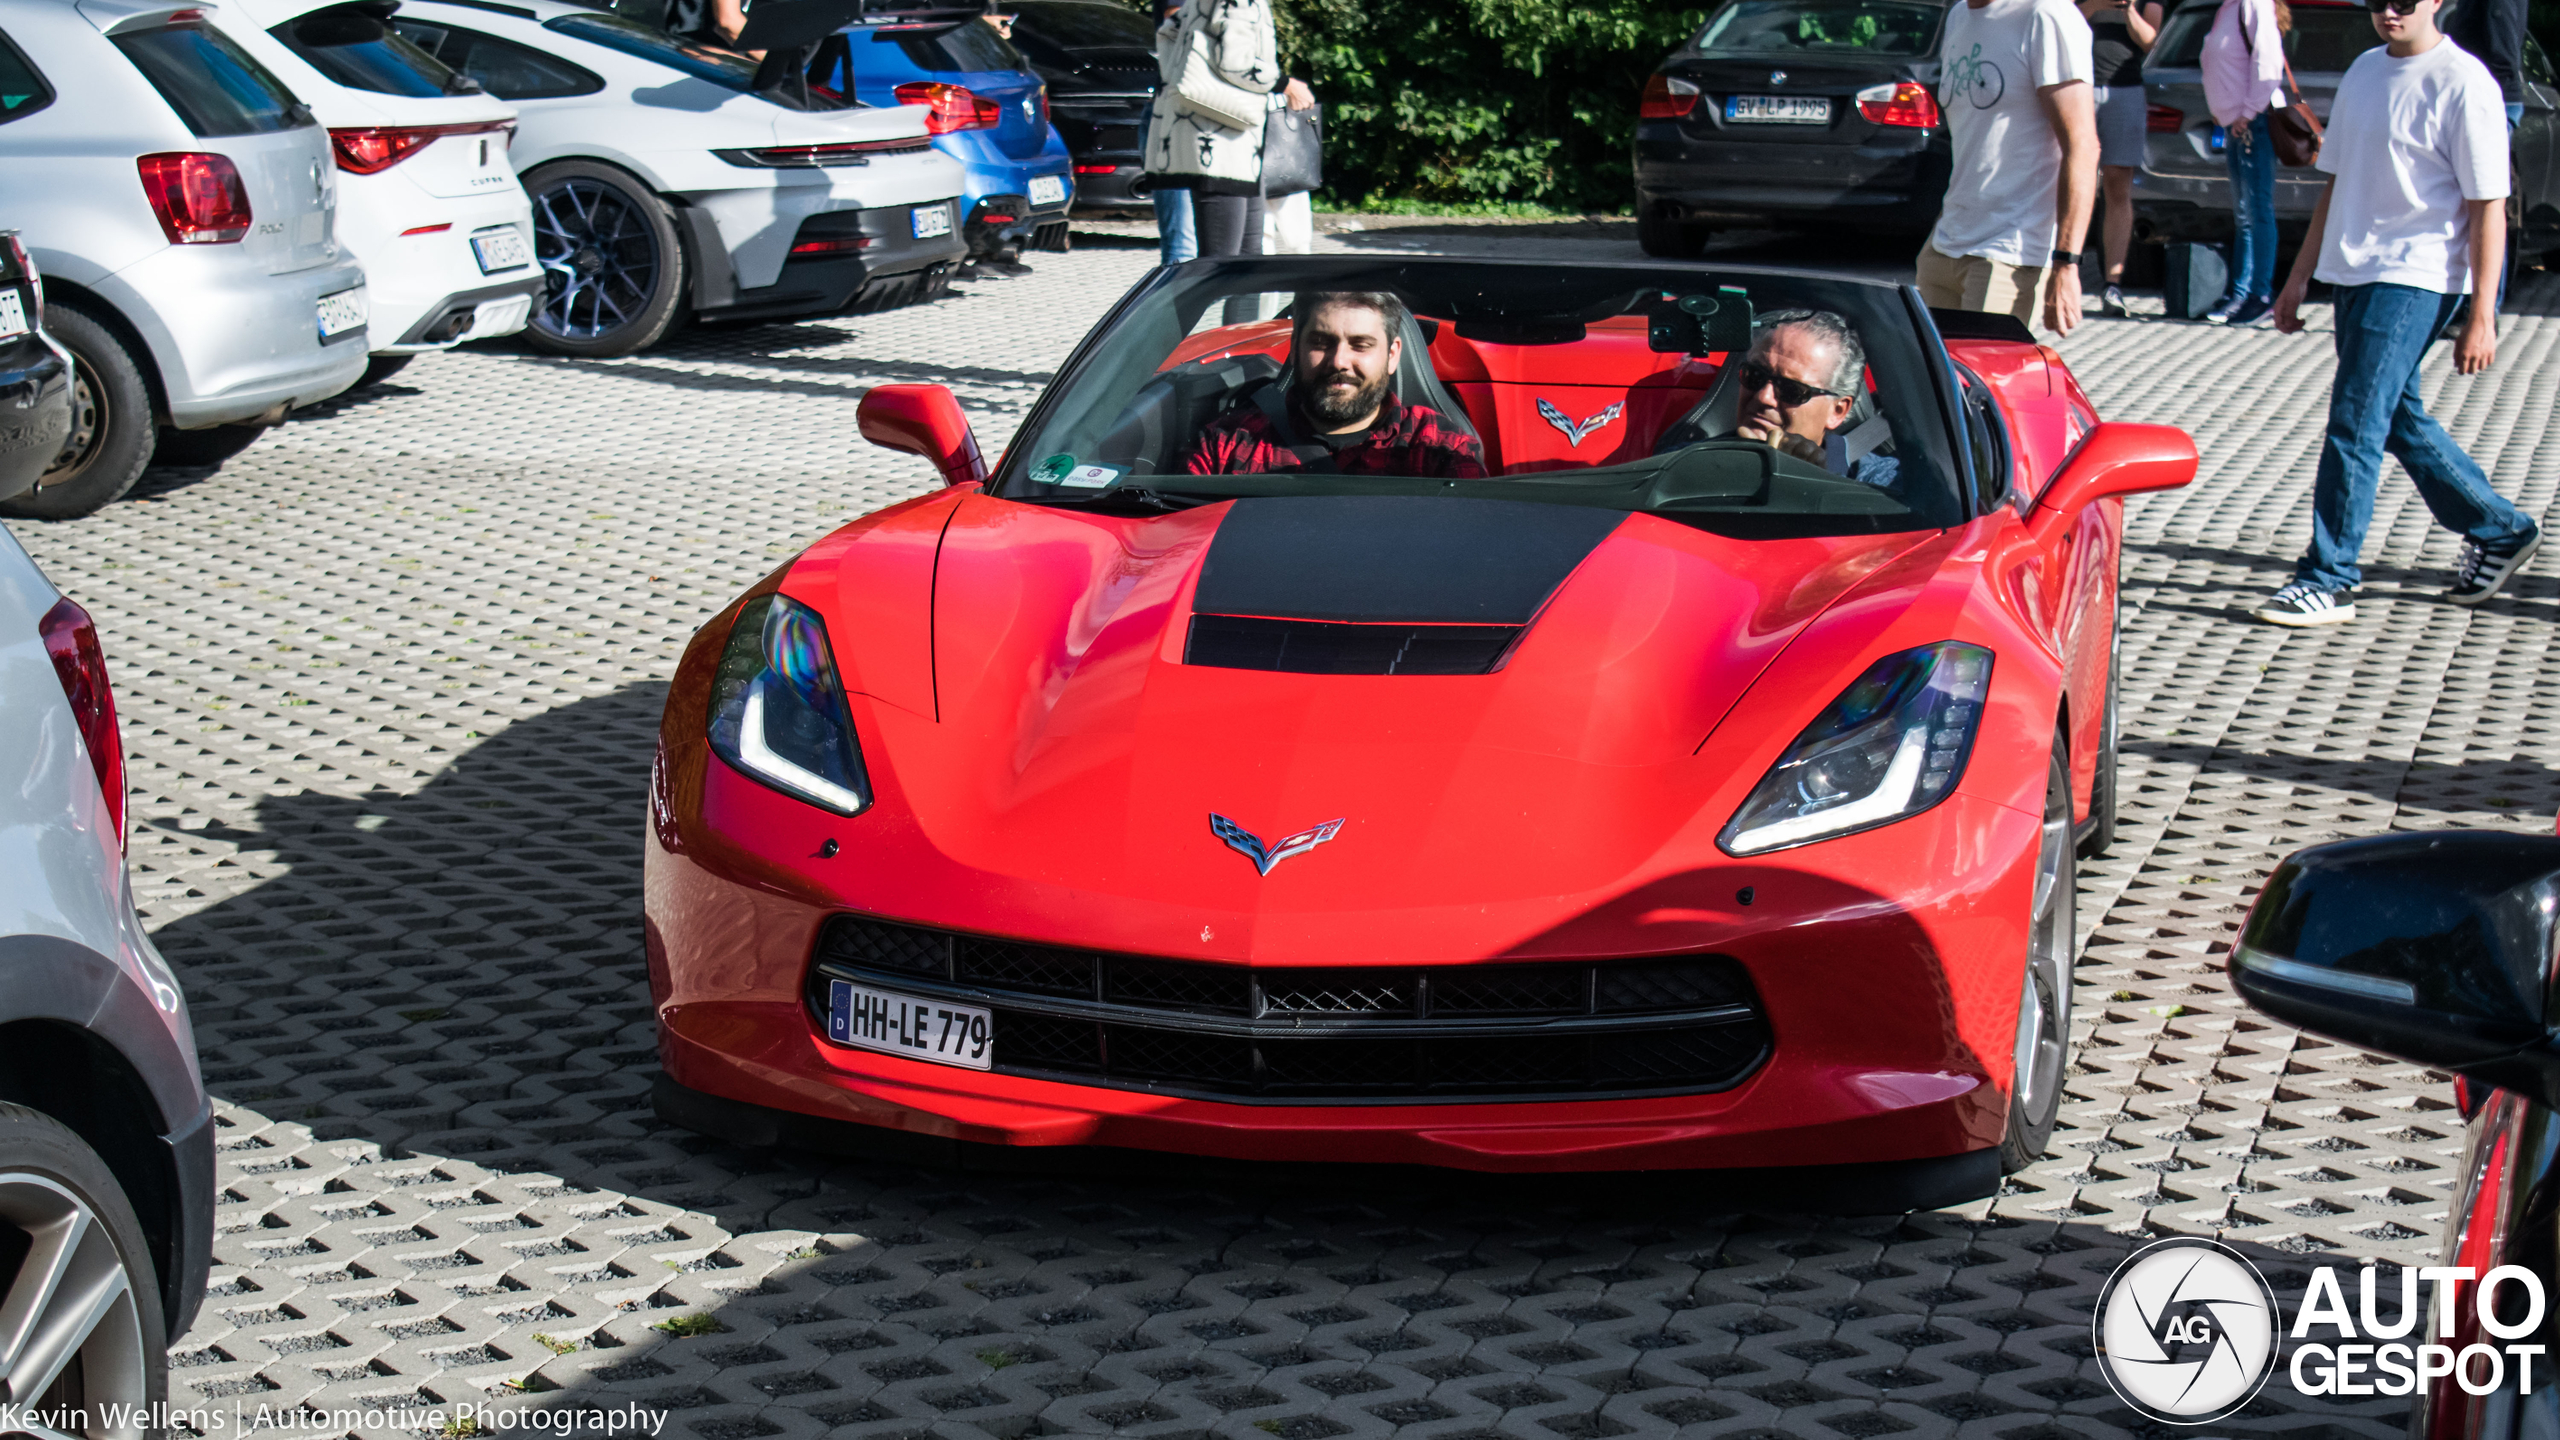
390	681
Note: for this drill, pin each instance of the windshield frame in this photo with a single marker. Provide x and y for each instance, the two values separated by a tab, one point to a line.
1010	480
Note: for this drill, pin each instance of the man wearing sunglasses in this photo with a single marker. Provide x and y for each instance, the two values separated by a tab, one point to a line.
2412	219
1800	382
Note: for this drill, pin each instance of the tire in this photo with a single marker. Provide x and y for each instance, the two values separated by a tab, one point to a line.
2102	786
112	432
2042	1048
210	446
117	1354
378	368
613	267
1666	237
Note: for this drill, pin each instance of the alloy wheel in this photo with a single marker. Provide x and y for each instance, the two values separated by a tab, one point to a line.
600	260
2044	1014
70	1330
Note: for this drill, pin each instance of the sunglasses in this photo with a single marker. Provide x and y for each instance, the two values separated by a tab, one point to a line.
1792	393
2396	7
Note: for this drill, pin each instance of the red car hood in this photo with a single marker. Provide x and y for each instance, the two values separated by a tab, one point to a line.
1076	755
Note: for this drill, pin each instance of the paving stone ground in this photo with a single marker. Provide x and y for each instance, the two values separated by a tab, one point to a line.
389	681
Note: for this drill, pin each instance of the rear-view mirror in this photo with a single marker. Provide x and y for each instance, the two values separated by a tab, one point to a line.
2435	948
1701	322
922	420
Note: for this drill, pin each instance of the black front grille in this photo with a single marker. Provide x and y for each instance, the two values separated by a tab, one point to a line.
1331	647
1383	1033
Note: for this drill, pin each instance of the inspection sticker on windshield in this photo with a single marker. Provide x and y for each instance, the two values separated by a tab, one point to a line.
1048	189
341	313
13	313
1778	109
501	249
930	221
904	1025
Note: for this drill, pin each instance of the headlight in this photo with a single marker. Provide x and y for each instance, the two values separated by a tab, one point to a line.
1891	746
778	711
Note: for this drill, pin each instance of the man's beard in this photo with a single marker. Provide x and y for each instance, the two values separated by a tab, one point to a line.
1343	408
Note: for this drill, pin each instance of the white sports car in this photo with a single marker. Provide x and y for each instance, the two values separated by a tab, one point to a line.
427	198
665	183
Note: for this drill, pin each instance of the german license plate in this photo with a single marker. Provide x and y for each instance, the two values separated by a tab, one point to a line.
342	312
1048	189
930	221
501	249
13	313
1778	109
895	1024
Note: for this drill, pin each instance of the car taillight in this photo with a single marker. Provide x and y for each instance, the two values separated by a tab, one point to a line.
1667	97
831	245
198	197
1899	102
950	107
82	667
369	149
2165	120
809	157
1096	169
29	277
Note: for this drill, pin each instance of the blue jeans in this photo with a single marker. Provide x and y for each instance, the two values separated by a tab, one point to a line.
2374	410
2250	155
1176	238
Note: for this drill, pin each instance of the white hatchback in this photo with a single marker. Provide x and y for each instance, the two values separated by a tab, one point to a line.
427	197
667	183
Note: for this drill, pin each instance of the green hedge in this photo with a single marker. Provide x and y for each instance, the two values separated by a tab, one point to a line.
1467	102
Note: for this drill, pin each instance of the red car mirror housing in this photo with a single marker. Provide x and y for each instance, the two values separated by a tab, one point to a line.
2115	459
925	420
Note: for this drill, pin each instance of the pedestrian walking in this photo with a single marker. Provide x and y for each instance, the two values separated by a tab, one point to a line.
2412	218
2015	87
2120	34
1176	240
2243	64
1219	62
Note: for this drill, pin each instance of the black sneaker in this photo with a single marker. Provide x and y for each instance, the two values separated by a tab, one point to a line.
2220	314
2251	311
2302	603
2483	572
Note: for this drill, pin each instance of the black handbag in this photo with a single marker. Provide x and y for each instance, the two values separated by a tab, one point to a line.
1292	150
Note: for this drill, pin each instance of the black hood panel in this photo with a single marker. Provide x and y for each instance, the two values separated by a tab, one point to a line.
1385	559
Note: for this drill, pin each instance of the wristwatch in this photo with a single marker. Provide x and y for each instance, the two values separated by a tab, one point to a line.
2066	257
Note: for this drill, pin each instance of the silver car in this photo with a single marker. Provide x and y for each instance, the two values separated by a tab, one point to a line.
2184	190
106	1137
181	204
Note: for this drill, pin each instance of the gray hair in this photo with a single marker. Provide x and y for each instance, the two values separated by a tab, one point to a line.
1308	302
1849	372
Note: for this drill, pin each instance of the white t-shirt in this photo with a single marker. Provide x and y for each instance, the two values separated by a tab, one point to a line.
2008	165
2409	141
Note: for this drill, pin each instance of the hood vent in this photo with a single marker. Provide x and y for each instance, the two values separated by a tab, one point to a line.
1329	647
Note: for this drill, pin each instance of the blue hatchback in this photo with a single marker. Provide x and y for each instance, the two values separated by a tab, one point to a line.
990	112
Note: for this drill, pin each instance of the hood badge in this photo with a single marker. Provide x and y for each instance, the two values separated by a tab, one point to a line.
1579	433
1244	842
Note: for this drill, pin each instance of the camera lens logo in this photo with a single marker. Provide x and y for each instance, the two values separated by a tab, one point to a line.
2186	1331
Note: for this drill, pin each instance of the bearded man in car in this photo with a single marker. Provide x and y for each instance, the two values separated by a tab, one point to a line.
1339	413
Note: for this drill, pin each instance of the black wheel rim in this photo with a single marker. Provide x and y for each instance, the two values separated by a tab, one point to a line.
599	259
88	427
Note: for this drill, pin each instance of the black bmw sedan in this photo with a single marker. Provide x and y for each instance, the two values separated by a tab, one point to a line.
1099	60
1793	113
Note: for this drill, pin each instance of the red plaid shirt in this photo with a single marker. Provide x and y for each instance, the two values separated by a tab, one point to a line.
1406	440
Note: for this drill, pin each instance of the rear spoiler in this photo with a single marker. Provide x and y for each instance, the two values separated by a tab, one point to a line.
787	24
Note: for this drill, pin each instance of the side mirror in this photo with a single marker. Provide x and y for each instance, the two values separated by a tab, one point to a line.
2115	459
2435	948
922	420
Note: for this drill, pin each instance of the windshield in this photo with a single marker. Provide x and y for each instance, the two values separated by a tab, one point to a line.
2324	39
1728	399
213	84
723	68
1798	27
965	48
1083	25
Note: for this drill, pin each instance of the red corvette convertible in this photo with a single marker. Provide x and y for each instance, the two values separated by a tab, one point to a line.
1512	717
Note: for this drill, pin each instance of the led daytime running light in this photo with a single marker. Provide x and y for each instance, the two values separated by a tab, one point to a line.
778	712
1894	744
